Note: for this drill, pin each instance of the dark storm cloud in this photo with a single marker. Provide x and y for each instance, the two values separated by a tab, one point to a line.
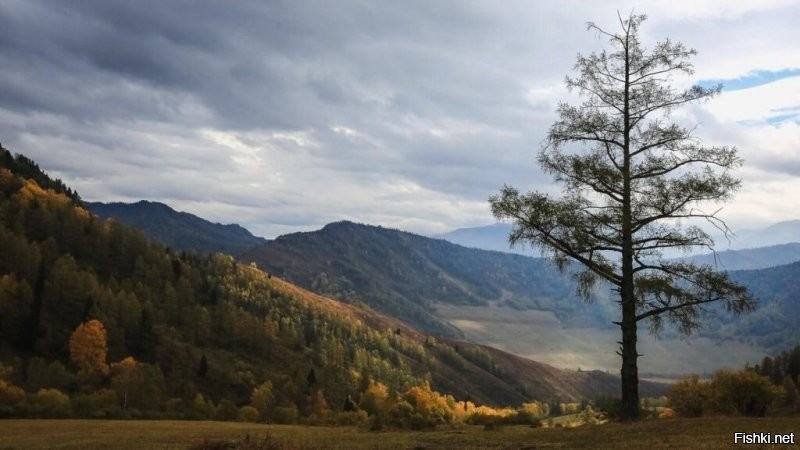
261	64
290	112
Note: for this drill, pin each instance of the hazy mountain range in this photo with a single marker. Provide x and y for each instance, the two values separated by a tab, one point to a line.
518	303
749	249
488	237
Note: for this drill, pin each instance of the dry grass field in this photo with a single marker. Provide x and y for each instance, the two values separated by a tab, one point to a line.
706	433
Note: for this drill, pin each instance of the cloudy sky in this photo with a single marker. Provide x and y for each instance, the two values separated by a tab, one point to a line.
286	115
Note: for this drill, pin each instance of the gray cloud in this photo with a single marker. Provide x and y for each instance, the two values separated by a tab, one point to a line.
285	115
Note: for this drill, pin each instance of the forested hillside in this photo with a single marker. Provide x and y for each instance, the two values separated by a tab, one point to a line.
404	274
178	230
774	324
95	316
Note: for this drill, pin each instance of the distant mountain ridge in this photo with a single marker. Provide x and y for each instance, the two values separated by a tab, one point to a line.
775	234
750	258
179	230
488	237
774	245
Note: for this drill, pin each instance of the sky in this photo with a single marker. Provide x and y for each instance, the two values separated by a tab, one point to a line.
283	116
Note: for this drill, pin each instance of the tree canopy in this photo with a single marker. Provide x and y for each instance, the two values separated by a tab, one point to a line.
635	182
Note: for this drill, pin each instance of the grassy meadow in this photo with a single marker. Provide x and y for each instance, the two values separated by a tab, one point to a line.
705	433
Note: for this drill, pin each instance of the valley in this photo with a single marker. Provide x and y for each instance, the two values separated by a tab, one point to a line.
540	336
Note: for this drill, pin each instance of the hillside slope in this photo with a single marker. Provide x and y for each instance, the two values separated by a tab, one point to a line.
774	324
202	328
405	275
178	230
437	285
470	370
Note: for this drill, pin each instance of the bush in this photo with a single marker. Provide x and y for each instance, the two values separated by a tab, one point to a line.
226	411
201	409
689	397
9	394
609	405
667	413
285	414
737	393
744	392
49	403
99	404
432	407
248	414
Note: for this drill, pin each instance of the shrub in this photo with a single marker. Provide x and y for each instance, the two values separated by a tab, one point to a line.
9	394
432	407
667	413
226	410
201	409
608	405
744	392
50	403
285	414
248	414
689	397
99	404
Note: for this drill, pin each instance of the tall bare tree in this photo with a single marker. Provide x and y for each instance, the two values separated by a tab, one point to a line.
634	184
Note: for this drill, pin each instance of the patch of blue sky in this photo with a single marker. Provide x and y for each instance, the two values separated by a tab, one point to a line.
791	117
776	117
752	79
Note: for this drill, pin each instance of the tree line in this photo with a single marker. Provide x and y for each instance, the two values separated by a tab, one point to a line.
768	388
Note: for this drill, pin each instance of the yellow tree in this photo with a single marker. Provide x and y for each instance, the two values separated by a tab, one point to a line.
261	398
87	349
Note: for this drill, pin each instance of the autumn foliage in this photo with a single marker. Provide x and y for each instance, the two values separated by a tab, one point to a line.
98	321
88	348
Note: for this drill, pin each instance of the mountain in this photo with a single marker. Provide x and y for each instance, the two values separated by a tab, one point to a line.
774	324
495	237
521	304
178	230
193	335
513	302
750	258
489	237
407	275
775	234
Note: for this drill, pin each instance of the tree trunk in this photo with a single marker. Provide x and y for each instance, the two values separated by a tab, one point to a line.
629	409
